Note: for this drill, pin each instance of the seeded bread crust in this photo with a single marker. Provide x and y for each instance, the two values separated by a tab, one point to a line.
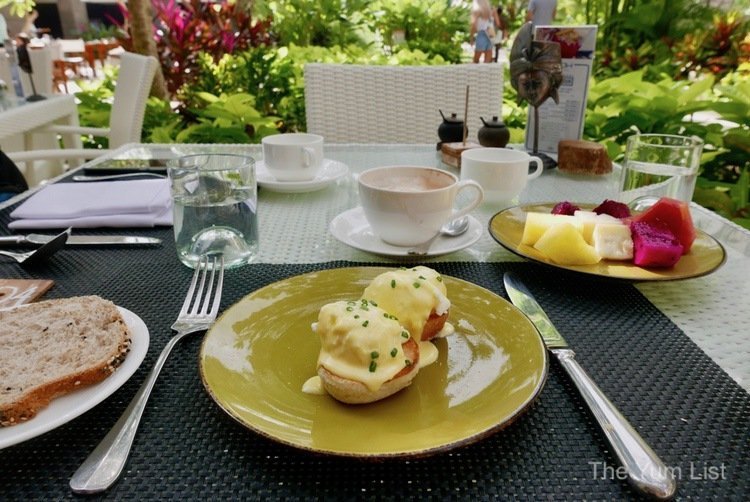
51	348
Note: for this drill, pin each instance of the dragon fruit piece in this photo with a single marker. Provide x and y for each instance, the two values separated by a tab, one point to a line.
654	246
566	208
613	208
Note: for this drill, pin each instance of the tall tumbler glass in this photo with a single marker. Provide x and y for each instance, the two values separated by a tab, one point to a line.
659	165
215	200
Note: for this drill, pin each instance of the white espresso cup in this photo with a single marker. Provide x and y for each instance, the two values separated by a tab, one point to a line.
407	205
502	172
293	156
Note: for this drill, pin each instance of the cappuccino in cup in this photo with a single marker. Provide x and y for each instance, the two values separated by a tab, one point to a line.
407	205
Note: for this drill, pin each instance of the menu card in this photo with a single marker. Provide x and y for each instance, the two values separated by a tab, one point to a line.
565	120
15	292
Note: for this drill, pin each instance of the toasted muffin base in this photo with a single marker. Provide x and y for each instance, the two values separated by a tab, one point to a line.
354	392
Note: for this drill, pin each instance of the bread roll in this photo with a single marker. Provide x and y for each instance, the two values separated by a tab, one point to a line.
582	157
54	347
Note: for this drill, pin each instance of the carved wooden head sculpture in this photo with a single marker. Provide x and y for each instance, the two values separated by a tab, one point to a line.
535	68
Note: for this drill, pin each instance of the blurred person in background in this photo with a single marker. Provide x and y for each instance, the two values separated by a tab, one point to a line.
501	30
482	31
541	12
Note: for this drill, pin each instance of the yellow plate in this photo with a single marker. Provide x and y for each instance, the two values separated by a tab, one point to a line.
706	255
256	357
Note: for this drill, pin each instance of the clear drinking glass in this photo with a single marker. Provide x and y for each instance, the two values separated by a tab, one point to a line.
215	199
659	165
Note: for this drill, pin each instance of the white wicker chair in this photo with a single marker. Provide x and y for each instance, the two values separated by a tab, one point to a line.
397	104
126	118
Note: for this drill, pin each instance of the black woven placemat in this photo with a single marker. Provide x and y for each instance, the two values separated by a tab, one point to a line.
693	415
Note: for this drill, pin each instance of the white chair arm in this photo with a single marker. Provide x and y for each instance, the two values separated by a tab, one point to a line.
57	154
71	129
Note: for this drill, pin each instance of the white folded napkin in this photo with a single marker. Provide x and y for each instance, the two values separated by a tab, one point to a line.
134	203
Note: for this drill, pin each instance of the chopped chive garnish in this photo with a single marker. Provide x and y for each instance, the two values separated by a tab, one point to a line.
407	362
394	352
373	366
393	283
349	309
439	278
404	334
423	277
364	324
416	285
356	316
374	354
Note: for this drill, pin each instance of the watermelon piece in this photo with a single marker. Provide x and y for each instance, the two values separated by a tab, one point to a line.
654	245
613	208
566	208
672	214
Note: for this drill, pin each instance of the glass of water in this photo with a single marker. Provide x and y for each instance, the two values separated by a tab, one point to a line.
659	165
215	199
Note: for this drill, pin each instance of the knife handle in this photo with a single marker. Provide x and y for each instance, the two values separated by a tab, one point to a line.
12	239
645	469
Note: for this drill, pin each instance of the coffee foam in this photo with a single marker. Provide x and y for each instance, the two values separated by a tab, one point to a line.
410	182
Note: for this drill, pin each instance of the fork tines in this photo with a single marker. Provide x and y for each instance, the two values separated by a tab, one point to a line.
198	305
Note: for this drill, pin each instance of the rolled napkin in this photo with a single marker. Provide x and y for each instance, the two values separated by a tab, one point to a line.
134	203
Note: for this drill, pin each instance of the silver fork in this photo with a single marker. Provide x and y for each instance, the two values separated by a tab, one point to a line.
105	464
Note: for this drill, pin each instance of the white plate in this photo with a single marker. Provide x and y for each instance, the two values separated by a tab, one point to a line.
65	408
351	228
330	172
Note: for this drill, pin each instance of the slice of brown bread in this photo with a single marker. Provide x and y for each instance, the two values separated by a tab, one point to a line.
54	347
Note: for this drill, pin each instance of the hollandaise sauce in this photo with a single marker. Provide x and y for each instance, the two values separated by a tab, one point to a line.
411	295
360	341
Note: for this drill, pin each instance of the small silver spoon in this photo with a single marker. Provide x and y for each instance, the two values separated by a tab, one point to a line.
41	253
451	229
83	177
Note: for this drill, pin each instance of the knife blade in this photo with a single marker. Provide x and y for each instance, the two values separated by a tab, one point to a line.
646	471
81	240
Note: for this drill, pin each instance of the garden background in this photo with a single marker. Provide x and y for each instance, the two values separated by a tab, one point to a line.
233	70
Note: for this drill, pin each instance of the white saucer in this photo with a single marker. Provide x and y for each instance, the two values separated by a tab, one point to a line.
330	172
351	228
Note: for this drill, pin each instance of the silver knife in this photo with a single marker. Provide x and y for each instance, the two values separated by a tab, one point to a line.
81	240
645	470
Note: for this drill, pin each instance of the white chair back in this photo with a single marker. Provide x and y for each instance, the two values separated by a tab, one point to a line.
41	65
397	104
129	104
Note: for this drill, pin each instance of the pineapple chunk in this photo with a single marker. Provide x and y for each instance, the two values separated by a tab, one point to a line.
590	220
613	241
538	223
564	244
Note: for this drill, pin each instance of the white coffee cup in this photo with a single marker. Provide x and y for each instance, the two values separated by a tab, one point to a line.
407	205
293	156
502	172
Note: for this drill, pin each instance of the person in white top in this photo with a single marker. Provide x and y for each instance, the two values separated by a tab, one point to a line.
541	12
483	21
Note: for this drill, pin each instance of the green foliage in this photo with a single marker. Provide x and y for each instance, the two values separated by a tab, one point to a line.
436	28
323	23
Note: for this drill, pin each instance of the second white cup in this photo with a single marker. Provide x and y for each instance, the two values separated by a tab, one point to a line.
407	205
502	172
293	156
